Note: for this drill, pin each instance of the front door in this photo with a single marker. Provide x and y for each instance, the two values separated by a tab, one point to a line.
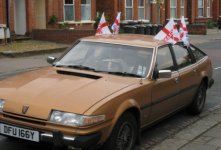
165	91
20	17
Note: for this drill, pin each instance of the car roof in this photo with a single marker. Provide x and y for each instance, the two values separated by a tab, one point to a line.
126	39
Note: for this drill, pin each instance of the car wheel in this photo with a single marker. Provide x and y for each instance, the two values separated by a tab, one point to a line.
198	102
124	134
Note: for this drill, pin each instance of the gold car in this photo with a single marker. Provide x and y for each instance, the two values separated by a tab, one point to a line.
103	91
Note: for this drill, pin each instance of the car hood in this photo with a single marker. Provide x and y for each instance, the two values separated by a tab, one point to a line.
49	89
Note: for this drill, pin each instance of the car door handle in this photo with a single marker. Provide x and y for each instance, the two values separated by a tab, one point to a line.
177	80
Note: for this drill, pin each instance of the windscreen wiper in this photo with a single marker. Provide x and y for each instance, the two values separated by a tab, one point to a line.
126	74
81	67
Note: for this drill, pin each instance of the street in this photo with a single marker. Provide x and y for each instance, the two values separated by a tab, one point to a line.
151	136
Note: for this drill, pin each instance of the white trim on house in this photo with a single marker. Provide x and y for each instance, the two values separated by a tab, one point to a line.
73	10
208	8
128	7
182	8
173	7
87	5
201	7
141	7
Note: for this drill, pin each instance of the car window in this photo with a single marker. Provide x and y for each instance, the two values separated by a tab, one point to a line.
198	54
182	56
109	58
164	59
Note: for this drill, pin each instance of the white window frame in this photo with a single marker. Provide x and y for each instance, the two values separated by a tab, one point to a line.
140	8
201	8
208	8
89	5
173	8
73	10
182	8
128	7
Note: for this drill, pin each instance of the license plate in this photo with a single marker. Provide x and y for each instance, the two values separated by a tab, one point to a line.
19	132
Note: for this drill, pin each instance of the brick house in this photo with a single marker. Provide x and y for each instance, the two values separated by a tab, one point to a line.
158	11
24	16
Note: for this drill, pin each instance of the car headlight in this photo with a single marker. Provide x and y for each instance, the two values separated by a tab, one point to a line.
2	103
76	120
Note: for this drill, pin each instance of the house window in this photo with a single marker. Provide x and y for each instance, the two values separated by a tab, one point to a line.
85	9
69	10
173	5
129	9
141	10
208	8
182	10
200	8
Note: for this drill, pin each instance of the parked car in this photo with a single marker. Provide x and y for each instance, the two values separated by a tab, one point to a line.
103	91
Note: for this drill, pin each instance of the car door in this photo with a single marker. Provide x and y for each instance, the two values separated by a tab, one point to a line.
187	74
164	90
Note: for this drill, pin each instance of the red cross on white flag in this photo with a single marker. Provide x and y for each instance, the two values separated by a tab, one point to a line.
183	32
169	33
103	27
116	26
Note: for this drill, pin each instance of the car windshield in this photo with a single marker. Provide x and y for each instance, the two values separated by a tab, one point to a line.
115	59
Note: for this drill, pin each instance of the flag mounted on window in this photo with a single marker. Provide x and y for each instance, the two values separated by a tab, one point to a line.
183	32
116	25
169	33
103	27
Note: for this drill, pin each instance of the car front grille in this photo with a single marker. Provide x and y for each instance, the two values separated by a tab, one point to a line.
16	117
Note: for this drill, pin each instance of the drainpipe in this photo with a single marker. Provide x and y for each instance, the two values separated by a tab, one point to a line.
118	5
8	15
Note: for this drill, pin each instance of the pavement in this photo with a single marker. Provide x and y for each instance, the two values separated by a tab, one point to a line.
204	133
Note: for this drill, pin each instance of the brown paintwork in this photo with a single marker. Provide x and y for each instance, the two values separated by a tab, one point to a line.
44	89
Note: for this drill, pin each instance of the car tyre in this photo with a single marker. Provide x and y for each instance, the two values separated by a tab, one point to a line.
124	134
197	105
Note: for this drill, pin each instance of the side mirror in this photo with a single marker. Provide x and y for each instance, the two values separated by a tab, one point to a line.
51	59
165	74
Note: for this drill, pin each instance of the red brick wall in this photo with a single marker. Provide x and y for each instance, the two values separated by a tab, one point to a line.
12	21
29	16
216	10
60	36
154	13
77	10
54	7
2	12
108	7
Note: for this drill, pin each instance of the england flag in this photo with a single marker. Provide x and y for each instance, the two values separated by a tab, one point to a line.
103	27
183	32
116	26
169	33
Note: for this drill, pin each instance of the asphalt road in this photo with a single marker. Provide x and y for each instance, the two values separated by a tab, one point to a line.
150	136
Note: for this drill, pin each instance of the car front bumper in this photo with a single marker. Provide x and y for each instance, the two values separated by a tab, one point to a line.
59	139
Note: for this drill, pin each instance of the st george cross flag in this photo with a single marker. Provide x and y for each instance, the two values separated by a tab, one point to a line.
116	26
183	32
169	33
103	27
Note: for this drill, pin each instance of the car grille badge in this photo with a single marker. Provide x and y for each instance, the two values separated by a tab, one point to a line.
25	109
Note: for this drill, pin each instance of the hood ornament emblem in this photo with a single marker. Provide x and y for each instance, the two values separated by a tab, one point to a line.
25	109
